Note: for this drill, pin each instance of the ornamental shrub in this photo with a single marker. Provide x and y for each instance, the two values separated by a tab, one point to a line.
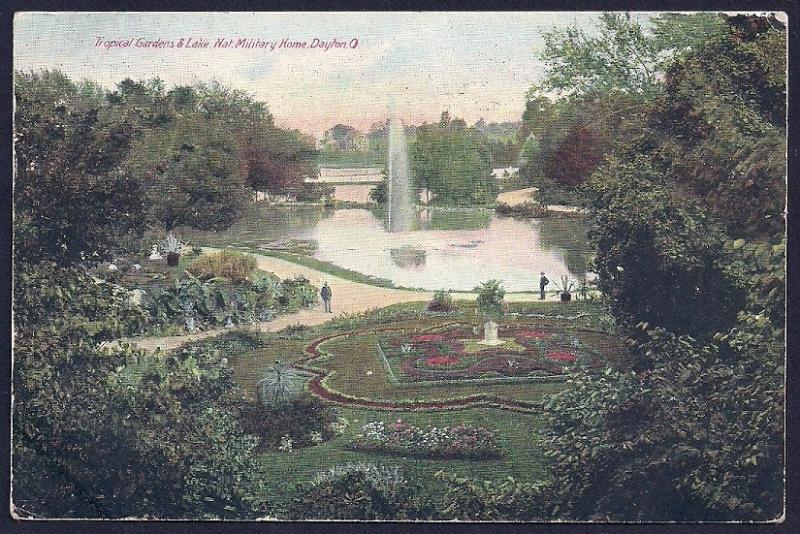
215	302
234	266
490	298
299	419
461	441
442	302
360	491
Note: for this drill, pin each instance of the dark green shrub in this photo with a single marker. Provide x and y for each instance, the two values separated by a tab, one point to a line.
442	302
660	260
297	292
359	491
379	194
510	500
305	420
233	266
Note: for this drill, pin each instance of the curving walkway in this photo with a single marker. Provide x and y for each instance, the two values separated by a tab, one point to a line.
348	298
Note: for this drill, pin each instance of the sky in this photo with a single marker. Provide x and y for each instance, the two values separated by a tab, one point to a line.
407	65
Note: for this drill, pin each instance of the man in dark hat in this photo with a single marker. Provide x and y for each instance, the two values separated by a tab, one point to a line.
326	294
543	281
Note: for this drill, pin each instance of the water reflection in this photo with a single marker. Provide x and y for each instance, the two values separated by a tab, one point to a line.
458	257
408	257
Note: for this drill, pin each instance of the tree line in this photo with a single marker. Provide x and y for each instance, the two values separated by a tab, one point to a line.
95	168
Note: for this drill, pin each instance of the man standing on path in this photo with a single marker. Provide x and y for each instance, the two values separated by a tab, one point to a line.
543	281
325	293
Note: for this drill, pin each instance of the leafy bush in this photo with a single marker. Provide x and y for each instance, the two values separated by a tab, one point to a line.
112	433
442	302
434	442
510	500
234	266
490	298
297	292
359	491
215	302
306	420
49	299
660	260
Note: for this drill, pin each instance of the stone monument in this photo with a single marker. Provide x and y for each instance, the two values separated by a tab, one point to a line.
154	254
490	334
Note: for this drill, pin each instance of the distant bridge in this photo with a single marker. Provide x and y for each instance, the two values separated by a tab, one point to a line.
353	175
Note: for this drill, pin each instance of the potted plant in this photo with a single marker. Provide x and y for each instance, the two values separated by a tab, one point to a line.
564	289
491	305
173	249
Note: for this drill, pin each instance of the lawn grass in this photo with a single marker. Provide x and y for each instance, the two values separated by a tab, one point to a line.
518	436
327	268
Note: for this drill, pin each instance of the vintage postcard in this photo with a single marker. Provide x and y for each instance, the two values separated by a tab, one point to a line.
417	266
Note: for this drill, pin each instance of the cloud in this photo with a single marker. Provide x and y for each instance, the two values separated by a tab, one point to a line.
414	65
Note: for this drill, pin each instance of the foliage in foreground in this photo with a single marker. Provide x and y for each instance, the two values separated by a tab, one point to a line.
466	499
693	429
359	491
116	432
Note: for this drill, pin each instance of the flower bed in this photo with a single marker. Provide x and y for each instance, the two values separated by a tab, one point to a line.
561	356
464	442
454	353
436	361
319	386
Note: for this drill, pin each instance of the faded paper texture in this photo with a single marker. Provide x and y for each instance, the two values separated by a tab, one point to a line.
399	266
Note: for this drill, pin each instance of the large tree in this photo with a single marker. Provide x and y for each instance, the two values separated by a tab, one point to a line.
73	198
278	160
453	163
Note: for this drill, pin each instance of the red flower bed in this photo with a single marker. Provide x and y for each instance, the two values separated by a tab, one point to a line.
441	360
561	356
427	337
535	334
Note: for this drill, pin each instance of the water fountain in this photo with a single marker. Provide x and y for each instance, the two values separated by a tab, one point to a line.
401	211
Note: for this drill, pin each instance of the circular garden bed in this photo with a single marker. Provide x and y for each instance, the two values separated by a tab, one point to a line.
456	352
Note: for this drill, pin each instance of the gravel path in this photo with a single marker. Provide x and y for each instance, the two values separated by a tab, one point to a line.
518	196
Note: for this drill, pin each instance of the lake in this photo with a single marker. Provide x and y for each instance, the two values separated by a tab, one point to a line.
452	248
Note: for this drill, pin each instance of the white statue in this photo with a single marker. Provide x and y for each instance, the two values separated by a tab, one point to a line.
154	254
490	334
